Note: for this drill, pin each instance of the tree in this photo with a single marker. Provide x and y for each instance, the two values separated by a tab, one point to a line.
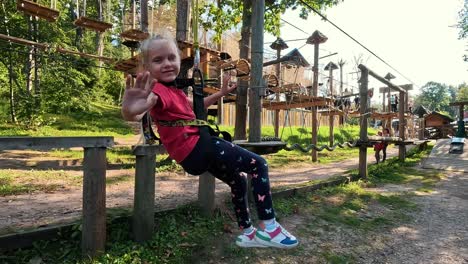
462	93
463	24
221	16
435	96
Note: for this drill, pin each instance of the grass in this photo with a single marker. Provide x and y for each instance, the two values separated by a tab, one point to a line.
101	120
323	217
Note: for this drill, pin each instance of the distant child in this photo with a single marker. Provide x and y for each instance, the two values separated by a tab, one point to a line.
195	149
386	133
378	147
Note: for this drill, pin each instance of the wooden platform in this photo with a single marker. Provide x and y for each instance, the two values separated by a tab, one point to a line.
441	159
384	115
129	66
34	9
134	34
211	90
298	101
93	24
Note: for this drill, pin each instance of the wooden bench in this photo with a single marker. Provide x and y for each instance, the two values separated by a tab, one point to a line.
94	181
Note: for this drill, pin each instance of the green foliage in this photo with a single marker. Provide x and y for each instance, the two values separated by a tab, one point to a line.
179	233
98	120
436	97
228	14
64	83
462	93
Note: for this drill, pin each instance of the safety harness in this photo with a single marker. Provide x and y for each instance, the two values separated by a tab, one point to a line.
197	84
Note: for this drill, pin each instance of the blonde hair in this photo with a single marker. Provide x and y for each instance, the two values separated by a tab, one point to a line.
145	46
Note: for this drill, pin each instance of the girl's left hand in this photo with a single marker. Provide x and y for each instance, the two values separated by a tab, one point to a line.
227	86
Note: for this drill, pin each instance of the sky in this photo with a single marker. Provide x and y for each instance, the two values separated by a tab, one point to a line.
417	38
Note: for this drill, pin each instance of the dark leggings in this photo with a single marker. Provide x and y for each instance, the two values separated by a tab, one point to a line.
231	164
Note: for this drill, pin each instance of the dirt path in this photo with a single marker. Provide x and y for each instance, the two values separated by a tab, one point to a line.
438	232
19	212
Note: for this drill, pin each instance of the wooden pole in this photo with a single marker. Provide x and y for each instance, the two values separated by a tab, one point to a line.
206	193
331	117
240	127
278	73
314	108
363	86
401	125
183	7
256	83
143	203
383	101
93	240
144	15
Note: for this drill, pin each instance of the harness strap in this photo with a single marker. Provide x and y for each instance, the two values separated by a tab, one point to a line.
181	122
197	122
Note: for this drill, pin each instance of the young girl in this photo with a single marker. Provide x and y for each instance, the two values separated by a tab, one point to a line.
194	149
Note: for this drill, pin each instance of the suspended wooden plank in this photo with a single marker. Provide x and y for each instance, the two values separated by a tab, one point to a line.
93	24
25	42
287	88
384	115
188	50
332	112
37	10
241	66
298	103
85	55
354	114
271	80
128	66
211	90
134	34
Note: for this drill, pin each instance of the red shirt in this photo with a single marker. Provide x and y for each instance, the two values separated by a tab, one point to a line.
173	105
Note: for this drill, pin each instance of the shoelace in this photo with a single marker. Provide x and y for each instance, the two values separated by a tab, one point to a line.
284	231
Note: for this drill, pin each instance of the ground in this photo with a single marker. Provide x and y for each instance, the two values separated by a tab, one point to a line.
437	232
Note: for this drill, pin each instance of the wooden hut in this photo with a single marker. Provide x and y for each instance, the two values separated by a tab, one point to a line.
438	125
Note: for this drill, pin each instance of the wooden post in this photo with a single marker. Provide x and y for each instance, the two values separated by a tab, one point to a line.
94	202
363	86
143	203
256	83
278	73
183	7
402	125
389	96
240	127
314	108
383	101
206	193
144	15
331	118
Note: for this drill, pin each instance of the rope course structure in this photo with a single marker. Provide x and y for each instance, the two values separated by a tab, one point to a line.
87	22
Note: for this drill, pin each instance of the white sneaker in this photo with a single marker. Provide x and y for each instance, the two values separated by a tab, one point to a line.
248	240
279	238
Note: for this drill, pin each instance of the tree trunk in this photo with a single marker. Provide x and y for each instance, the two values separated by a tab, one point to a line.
12	91
183	7
240	130
100	35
